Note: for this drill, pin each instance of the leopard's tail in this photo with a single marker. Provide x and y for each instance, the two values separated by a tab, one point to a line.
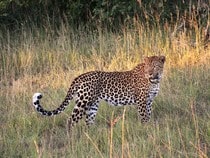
36	103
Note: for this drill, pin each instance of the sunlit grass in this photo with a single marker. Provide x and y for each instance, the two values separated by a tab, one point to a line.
35	62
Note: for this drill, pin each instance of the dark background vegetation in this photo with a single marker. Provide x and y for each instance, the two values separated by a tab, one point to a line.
108	13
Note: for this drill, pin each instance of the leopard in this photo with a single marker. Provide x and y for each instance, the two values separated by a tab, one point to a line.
138	87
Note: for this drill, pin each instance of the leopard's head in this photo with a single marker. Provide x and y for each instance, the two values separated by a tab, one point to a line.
154	68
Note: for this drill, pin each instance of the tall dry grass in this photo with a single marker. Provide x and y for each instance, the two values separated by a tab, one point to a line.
48	60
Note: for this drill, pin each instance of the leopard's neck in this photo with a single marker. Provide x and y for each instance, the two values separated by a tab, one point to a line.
139	70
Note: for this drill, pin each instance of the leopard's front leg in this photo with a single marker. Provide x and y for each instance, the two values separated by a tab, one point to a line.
144	107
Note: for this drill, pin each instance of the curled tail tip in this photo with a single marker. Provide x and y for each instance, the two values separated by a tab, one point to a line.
36	98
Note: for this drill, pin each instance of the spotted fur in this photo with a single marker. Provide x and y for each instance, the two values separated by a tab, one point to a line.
136	87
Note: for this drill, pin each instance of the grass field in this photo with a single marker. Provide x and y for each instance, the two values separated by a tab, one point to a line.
47	61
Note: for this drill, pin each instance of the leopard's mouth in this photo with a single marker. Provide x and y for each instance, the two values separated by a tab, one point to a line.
155	79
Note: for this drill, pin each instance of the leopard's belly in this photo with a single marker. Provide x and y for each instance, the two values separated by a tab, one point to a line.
119	99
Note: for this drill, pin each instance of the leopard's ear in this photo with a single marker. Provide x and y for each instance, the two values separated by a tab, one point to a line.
162	58
146	60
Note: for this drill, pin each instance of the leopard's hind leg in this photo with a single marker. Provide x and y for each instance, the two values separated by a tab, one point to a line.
77	113
91	113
